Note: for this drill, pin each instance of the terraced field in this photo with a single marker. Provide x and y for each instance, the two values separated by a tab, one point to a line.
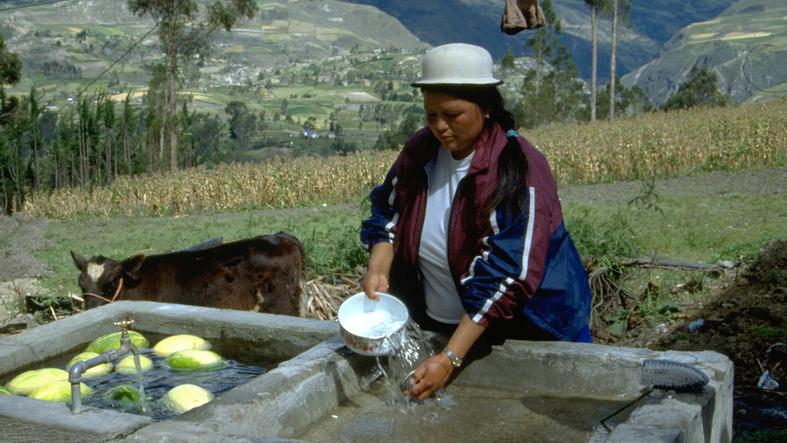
746	45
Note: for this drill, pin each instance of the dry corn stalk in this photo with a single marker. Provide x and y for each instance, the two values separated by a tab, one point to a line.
658	144
325	298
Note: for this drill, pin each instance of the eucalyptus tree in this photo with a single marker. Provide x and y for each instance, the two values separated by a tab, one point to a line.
543	43
105	110
13	157
126	131
10	73
619	9
84	123
5	183
595	7
551	91
184	31
64	151
10	66
34	109
187	123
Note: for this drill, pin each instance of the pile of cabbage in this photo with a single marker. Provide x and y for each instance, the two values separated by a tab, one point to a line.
180	352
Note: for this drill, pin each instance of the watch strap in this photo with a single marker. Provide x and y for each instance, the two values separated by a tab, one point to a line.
456	361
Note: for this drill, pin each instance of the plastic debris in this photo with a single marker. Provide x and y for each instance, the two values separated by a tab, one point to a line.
729	264
767	382
696	325
777	352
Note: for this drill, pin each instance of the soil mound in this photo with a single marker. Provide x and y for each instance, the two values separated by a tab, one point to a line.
748	323
745	319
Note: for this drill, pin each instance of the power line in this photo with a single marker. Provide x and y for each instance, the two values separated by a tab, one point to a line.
31	5
122	56
112	65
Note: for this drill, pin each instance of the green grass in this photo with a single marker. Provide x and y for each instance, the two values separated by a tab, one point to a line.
689	228
768	331
697	228
329	235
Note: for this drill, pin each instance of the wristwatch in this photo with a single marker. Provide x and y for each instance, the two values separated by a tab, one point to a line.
456	361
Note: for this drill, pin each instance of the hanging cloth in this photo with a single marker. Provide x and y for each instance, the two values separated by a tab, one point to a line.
519	15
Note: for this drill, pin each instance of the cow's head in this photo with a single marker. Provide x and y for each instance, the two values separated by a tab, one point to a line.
102	278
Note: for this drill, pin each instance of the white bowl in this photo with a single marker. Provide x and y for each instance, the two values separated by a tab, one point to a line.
365	323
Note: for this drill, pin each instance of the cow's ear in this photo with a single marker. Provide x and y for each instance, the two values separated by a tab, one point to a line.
79	261
132	265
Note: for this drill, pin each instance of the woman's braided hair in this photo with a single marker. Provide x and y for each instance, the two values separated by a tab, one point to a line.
512	164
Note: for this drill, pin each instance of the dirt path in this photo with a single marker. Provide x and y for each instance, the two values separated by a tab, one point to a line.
754	181
19	238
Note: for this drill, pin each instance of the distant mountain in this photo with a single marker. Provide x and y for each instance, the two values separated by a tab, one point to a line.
746	45
478	22
75	40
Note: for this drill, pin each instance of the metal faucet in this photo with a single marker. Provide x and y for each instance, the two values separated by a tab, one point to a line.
110	356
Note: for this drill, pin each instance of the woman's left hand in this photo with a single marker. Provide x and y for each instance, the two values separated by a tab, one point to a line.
431	376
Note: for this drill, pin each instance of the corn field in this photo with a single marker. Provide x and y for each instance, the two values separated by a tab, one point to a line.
667	144
658	144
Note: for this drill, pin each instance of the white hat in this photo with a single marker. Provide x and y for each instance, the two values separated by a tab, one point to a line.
457	64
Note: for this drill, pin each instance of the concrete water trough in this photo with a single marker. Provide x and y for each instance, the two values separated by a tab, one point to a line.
316	390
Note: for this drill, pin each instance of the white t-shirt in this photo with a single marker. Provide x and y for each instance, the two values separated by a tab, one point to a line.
442	299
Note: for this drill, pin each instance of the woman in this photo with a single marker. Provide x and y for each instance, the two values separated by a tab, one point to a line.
467	227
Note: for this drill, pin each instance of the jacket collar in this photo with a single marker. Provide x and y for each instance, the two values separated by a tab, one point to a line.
423	146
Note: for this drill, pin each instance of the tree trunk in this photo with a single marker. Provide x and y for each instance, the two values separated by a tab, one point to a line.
58	165
6	206
594	63
125	148
14	172
115	156
82	153
172	106
152	162
107	155
612	68
36	179
161	140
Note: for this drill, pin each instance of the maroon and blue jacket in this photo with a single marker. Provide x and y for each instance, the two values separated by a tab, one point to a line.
504	264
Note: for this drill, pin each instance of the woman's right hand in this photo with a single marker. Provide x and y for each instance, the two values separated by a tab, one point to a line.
373	282
376	278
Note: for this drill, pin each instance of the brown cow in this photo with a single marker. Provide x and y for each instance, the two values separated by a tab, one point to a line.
262	274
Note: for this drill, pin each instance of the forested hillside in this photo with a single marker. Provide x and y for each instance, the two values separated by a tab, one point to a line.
652	23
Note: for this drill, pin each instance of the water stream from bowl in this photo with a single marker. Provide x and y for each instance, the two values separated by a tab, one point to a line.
409	347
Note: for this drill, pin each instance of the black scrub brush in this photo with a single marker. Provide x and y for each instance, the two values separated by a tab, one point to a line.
668	375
